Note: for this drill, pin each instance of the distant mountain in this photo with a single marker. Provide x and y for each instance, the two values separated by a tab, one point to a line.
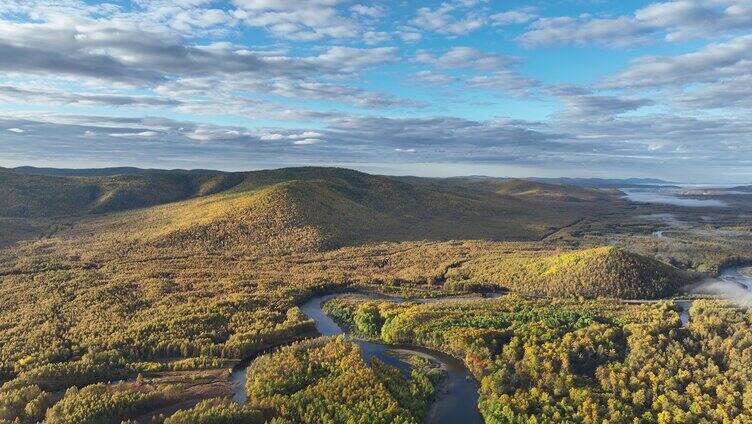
530	189
99	172
85	172
579	182
26	195
716	191
127	170
606	182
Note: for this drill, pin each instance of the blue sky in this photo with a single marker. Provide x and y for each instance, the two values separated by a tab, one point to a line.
513	88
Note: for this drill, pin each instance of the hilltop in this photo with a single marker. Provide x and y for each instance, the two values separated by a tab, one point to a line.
602	271
332	220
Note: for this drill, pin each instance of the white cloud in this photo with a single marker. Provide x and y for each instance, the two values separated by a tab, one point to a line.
376	37
296	20
562	30
113	54
49	96
307	141
507	81
674	20
16	130
272	137
725	93
582	103
711	63
409	34
466	57
141	134
630	143
433	78
351	59
370	11
511	17
302	138
444	21
503	76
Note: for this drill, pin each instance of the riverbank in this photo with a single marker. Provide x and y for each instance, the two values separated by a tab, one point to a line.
456	402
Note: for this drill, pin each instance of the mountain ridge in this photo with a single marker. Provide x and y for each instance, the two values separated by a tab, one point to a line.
308	209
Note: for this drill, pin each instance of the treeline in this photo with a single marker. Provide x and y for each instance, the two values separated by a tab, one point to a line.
232	327
34	195
108	332
589	362
25	404
98	404
217	411
102	404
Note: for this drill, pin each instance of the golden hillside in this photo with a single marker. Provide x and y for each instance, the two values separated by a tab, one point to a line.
603	271
306	209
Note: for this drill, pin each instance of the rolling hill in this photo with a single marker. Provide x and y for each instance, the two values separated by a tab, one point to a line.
607	182
309	209
79	172
603	271
216	217
31	195
530	189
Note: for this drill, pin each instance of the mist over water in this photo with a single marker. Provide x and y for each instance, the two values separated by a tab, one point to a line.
734	284
669	196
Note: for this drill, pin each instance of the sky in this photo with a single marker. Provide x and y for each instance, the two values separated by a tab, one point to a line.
577	88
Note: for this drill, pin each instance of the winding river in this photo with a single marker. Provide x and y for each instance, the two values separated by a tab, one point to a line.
684	306
731	281
739	275
457	401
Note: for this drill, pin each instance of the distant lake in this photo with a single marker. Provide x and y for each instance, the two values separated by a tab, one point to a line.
669	196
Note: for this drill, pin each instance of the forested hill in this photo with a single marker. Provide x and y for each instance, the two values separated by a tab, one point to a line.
28	191
602	271
37	195
314	212
80	172
298	208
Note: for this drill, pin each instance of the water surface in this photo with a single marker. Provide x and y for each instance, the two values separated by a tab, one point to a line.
736	275
669	196
684	305
457	401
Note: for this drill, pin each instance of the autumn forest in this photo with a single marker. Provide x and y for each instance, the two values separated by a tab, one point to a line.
326	295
